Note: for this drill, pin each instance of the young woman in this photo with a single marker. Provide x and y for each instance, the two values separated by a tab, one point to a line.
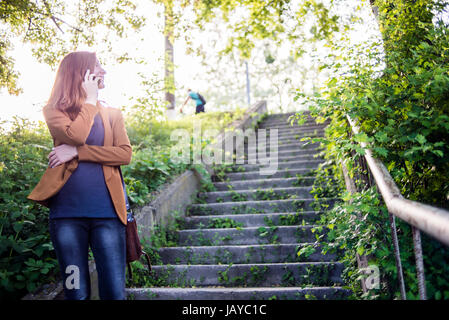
82	185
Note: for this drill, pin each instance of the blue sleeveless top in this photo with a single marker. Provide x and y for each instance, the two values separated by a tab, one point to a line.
85	194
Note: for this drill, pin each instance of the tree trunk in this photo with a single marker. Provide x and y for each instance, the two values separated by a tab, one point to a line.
401	24
169	61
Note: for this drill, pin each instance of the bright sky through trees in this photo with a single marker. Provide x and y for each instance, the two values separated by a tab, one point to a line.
123	80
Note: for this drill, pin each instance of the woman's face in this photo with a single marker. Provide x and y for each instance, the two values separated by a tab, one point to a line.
99	73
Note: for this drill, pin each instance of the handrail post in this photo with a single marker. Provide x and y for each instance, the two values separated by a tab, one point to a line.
397	255
419	263
362	261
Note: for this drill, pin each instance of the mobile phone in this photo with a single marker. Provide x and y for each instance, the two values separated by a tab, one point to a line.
97	80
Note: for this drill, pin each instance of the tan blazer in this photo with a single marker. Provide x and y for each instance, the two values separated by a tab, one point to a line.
116	151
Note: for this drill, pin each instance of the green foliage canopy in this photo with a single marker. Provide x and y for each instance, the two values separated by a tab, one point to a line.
56	27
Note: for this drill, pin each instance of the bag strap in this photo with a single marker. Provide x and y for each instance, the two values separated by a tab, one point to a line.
130	269
147	257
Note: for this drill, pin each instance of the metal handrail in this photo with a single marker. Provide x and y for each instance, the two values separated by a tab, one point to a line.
431	220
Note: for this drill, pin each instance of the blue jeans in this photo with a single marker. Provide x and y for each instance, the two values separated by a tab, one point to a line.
71	239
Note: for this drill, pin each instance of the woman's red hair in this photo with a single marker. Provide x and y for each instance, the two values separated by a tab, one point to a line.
67	94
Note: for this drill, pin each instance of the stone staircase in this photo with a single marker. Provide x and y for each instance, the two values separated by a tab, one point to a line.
242	240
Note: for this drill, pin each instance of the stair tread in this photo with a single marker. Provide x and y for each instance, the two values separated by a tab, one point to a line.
307	226
261	180
255	190
254	201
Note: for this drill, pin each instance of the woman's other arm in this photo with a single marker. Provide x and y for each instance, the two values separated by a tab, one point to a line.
118	154
67	131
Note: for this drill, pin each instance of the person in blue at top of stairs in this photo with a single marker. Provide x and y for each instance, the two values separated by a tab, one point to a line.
199	101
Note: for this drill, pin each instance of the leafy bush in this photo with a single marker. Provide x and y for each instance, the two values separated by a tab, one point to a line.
26	255
398	93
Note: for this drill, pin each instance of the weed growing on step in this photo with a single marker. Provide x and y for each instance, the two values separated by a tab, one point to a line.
221	170
310	297
257	275
165	234
284	220
218	223
298	205
268	234
240	169
288	279
302	234
223	277
235	196
200	239
270	194
130	296
151	295
223	256
245	209
304	252
201	198
317	274
142	278
290	219
206	183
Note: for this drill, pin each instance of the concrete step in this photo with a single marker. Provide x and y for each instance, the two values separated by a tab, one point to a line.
276	123
279	124
304	156
295	125
284	115
248	236
277	146
260	194
287	114
296	164
252	220
284	134
282	153
263	183
280	173
283	141
255	206
281	134
261	293
296	136
296	130
244	254
301	145
254	275
284	119
279	142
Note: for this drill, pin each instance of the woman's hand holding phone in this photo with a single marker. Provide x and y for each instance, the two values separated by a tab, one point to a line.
90	86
